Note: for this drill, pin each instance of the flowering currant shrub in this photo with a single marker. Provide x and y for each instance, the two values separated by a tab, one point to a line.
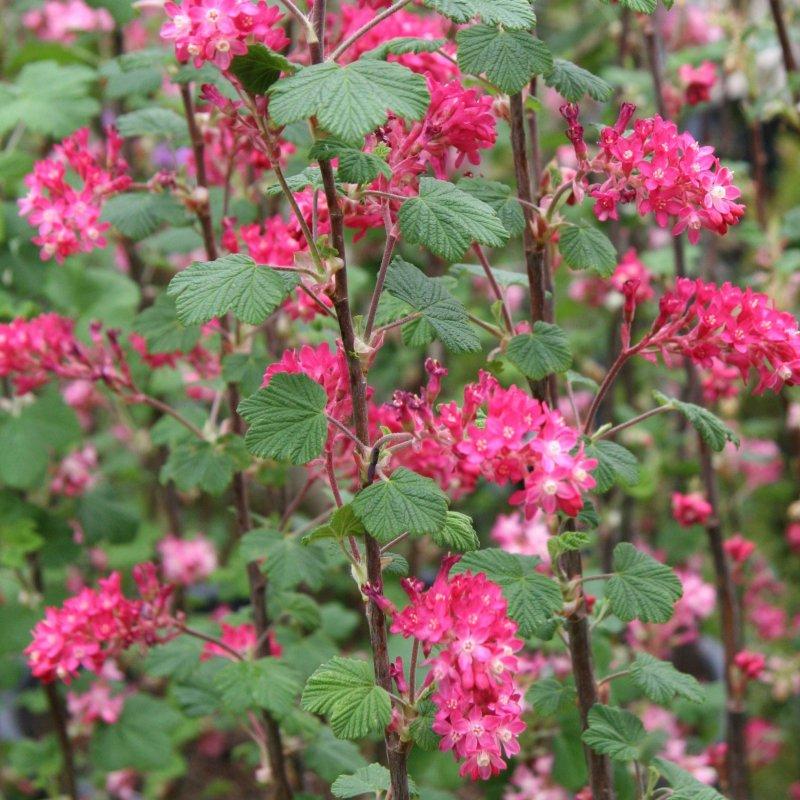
399	399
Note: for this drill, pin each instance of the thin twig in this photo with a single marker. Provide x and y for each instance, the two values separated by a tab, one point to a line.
366	28
391	240
498	292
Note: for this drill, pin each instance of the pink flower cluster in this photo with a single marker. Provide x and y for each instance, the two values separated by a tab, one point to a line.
76	473
58	21
97	624
515	534
479	703
502	434
665	172
95	704
459	124
67	216
240	638
187	561
32	351
691	509
730	326
218	30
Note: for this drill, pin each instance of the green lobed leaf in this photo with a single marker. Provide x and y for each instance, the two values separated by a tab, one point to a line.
542	352
550	696
447	220
198	464
438	307
512	14
18	539
713	431
532	598
503	276
368	780
504	203
138	214
286	561
153	121
573	82
343	523
329	757
641	6
641	588
259	68
403	45
566	542
266	683
660	681
615	465
344	690
403	502
234	283
354	166
585	247
287	419
162	330
508	58
614	732
685	786
349	101
421	729
458	533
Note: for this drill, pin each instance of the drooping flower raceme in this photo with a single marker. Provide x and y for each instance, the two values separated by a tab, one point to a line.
726	325
187	561
67	213
479	704
666	172
97	624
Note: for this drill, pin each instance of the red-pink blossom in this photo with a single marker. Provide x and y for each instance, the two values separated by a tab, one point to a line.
751	664
67	211
98	703
76	473
218	30
739	549
691	509
697	82
187	561
61	20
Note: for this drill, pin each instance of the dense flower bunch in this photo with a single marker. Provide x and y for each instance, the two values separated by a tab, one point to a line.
503	435
241	639
97	624
33	351
478	700
68	217
730	326
459	124
61	20
691	509
187	561
666	172
218	30
77	473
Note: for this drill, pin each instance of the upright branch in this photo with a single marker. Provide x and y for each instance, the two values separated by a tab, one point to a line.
577	626
241	499
789	61
395	749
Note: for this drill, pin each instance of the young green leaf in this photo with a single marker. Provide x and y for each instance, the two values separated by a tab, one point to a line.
508	58
532	598
511	14
234	283
573	82
713	431
349	101
615	465
369	780
458	534
641	6
504	203
285	561
259	68
344	690
287	419
404	502
355	166
549	696
447	221
438	307
614	732
660	681
585	247
540	353
685	786
567	541
266	683
641	588
421	728
343	523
